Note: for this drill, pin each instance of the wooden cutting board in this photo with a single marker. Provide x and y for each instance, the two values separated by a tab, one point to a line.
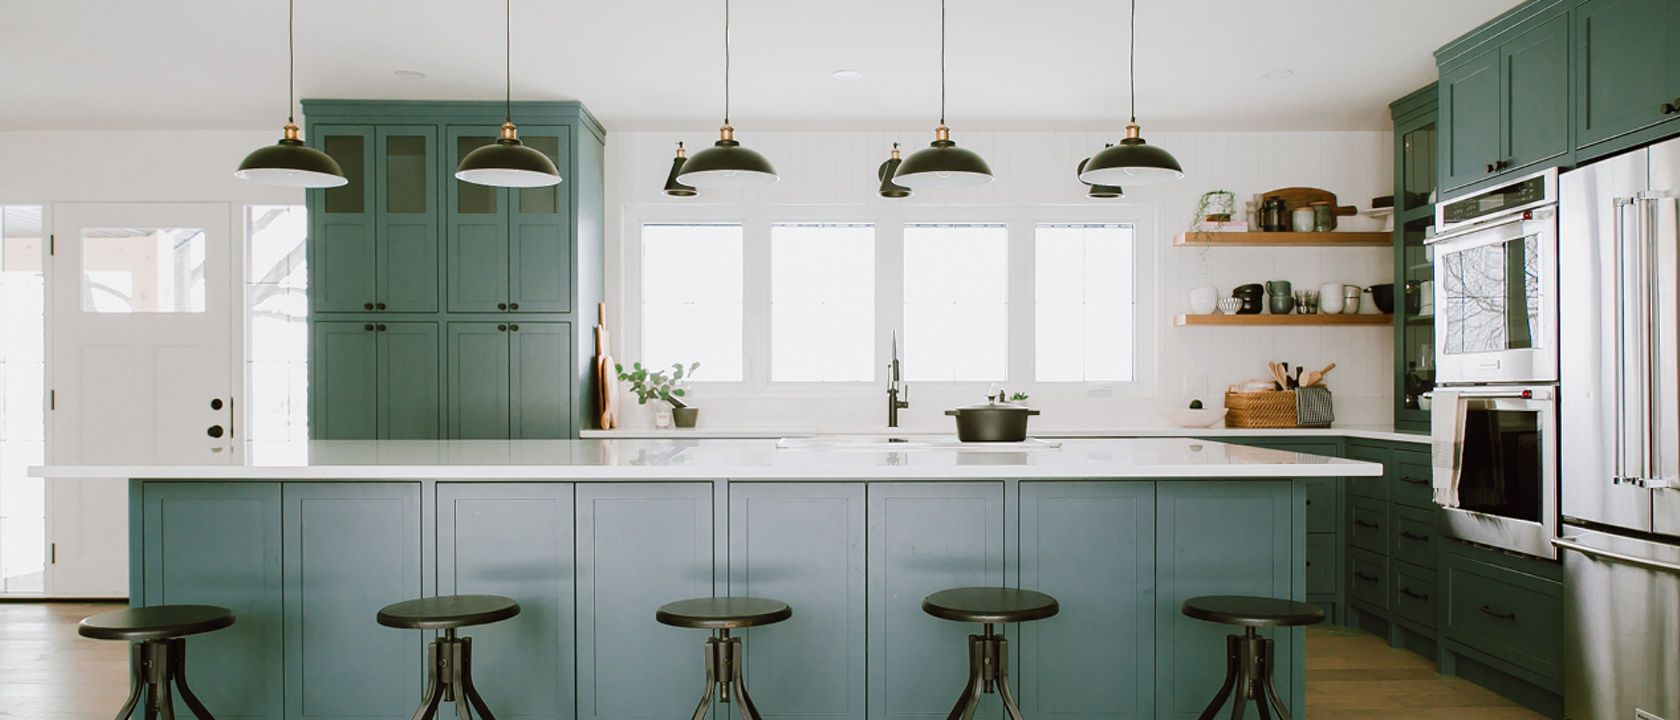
606	372
1299	197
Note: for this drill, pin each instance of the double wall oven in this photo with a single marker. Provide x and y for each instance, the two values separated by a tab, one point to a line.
1494	412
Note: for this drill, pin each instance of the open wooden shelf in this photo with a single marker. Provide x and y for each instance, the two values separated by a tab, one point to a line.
1285	239
1275	320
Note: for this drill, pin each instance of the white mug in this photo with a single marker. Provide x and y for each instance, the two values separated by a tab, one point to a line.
1330	298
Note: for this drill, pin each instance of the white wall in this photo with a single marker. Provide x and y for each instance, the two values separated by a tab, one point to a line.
1036	170
173	166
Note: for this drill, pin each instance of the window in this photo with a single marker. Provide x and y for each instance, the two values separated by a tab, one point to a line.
1086	303
144	270
22	410
277	297
692	298
822	303
956	296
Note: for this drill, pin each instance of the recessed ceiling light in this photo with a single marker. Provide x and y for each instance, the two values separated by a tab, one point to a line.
1277	74
410	74
848	74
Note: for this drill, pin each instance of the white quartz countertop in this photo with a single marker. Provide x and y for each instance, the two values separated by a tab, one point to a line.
1365	432
826	458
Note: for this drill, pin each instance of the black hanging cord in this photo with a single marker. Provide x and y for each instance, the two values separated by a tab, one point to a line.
291	62
942	61
1131	65
507	12
726	62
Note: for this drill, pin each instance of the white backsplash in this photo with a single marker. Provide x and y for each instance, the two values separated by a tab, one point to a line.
1036	169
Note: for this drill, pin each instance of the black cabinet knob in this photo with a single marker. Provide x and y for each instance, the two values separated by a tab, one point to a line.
215	403
514	328
501	306
513	306
379	306
367	306
368	327
215	431
1490	167
501	328
1671	108
380	327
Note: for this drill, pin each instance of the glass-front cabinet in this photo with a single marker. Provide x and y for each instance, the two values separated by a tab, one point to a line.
1414	221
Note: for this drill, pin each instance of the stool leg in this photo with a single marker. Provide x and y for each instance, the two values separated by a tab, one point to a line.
970	698
1000	654
1266	668
712	650
467	681
457	687
1245	674
178	675
161	700
137	669
1232	662
1259	647
735	654
429	701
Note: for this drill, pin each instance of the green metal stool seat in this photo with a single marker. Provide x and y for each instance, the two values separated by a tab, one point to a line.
1248	657
160	656
988	652
449	658
725	655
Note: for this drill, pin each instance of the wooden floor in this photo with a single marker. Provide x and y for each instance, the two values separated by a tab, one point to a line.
48	672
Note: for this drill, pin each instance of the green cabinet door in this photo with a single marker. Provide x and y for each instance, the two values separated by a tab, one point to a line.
406	261
803	543
515	540
477	221
349	549
925	537
478	380
539	252
540	380
639	546
1092	546
219	544
341	225
1470	122
344	381
1535	95
1627	60
410	388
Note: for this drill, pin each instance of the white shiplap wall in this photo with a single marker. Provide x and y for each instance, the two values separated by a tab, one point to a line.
1035	169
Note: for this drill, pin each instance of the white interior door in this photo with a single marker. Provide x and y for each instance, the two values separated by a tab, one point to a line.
141	325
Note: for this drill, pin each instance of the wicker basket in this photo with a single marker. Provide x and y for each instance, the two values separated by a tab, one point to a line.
1271	409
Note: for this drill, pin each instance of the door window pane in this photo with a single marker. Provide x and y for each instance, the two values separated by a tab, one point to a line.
22	396
956	296
1085	303
406	174
691	299
822	303
143	270
347	198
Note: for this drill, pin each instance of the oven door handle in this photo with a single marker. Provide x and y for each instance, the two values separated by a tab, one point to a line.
1455	234
1574	544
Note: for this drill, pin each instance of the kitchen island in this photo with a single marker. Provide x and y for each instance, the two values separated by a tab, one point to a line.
591	536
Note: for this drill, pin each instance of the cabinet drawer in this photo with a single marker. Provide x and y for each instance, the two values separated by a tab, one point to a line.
1368	579
1368	525
1412	536
1510	615
1412	593
1321	563
1321	505
1408	479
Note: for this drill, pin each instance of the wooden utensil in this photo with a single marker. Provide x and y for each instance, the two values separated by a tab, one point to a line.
1316	377
1300	197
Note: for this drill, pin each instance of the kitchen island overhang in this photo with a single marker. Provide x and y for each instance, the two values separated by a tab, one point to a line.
592	536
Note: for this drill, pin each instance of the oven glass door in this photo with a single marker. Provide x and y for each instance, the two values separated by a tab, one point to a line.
1503	470
1491	297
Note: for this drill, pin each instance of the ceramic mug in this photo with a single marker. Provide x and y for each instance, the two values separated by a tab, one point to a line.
1350	299
1302	220
1330	298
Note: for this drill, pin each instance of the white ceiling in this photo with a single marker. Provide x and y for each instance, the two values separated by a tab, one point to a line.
657	64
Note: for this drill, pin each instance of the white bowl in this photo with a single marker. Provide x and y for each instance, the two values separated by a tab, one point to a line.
1197	417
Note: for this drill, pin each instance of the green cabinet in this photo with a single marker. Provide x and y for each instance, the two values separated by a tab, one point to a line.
1415	154
1504	612
1505	106
1627	72
508	380
374	379
374	240
510	249
1470	126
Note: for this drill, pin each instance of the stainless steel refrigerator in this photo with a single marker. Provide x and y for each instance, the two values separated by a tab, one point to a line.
1619	272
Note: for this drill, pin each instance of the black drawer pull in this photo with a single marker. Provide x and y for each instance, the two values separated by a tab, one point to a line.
380	327
1365	577
501	306
1671	108
1414	595
367	306
1363	524
1414	536
1413	480
1497	614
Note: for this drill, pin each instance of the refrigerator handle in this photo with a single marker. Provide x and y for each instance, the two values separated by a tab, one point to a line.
1645	240
1653	477
1619	346
1574	544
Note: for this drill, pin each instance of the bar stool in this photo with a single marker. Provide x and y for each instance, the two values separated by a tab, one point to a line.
449	658
160	658
988	653
725	656
1248	657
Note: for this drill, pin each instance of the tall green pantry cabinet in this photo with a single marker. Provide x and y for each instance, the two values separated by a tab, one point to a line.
417	280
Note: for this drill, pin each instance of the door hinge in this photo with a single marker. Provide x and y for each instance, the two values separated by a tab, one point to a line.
52	244
52	399
54	554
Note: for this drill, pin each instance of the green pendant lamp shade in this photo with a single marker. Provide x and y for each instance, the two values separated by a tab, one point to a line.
942	164
508	162
889	189
726	165
1133	161
290	163
672	187
1100	191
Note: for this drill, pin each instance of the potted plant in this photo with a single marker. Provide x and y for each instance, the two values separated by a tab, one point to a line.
670	387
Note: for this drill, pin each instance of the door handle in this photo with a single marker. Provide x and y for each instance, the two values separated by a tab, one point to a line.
1487	610
1414	536
513	306
1618	261
380	327
1671	108
379	306
1365	577
1414	595
501	328
1363	524
1413	480
1574	544
513	328
501	306
367	306
215	431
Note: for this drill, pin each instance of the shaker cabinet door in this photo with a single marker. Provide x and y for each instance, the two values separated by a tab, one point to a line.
407	254
1625	57
478	380
1535	70
341	224
343	381
410	388
540	380
539	241
1470	106
478	230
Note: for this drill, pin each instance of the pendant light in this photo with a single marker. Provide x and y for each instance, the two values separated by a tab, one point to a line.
290	163
1100	191
1133	161
672	187
508	162
942	164
726	164
889	189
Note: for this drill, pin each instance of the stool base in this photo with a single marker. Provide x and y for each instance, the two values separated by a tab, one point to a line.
449	679
988	671
1248	674
157	664
725	659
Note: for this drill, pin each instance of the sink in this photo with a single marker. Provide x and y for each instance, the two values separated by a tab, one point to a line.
896	443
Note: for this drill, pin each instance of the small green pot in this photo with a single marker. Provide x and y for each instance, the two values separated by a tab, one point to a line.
685	417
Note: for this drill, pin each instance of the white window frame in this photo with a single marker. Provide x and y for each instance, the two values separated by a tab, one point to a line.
889	221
